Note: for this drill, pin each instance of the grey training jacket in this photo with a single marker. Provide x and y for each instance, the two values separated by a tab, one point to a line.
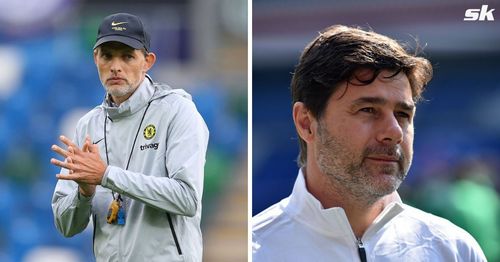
162	187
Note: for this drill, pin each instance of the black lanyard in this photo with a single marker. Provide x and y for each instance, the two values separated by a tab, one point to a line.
133	145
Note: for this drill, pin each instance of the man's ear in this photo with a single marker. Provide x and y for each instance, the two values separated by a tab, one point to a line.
95	55
305	123
150	61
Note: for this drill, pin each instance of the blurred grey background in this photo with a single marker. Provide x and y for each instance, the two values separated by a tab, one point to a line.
48	80
457	130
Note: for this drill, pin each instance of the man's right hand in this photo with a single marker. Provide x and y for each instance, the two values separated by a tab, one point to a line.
85	189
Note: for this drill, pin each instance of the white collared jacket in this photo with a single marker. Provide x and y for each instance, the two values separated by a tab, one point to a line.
299	229
155	143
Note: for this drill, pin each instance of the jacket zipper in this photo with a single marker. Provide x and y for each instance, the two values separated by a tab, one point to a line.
173	234
361	250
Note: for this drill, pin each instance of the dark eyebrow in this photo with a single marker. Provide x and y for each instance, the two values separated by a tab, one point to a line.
103	50
381	101
406	106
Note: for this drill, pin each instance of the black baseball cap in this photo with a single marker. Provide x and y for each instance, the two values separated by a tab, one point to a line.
124	28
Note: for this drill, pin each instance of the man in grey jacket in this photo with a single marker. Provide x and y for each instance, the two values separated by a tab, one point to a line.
136	164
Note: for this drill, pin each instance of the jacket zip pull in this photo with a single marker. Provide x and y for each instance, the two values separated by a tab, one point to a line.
361	251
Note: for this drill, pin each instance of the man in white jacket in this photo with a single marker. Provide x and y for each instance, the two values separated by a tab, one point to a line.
355	95
136	164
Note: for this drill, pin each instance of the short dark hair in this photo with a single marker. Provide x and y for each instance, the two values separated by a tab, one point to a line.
337	54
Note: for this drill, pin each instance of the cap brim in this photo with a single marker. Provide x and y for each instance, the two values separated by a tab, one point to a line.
136	44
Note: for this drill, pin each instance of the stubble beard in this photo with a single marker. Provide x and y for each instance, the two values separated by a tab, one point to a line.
119	91
352	176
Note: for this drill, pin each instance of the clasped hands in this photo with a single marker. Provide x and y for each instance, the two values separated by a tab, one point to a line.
85	165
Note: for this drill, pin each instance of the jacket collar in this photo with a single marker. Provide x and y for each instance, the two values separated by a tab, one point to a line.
306	209
134	103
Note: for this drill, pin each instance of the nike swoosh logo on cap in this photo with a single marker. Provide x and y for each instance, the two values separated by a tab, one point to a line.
117	23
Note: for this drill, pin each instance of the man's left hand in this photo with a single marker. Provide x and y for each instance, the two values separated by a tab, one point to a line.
85	165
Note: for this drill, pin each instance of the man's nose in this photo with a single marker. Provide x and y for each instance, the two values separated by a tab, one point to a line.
115	65
390	130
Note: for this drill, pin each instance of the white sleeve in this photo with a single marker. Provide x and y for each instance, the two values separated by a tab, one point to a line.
71	209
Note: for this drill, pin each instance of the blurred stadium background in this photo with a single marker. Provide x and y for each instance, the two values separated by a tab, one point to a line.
48	80
457	143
